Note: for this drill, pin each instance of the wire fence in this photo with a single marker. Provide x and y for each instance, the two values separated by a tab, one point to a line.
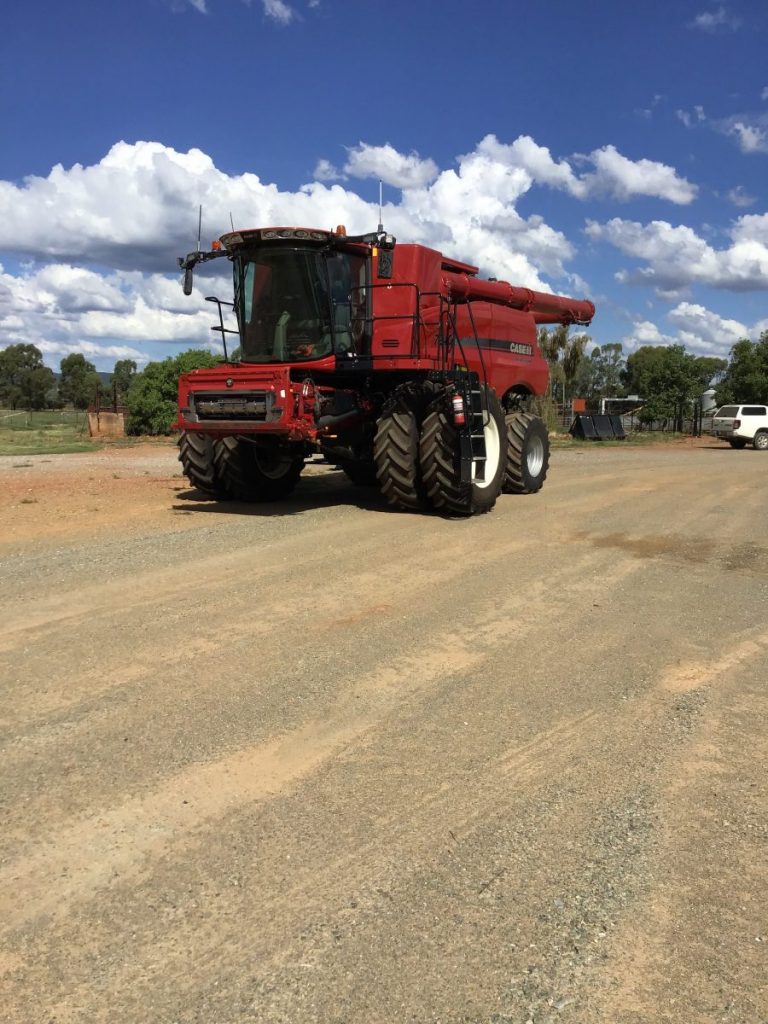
27	432
73	420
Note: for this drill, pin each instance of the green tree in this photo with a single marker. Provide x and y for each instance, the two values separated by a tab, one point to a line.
79	383
564	355
123	373
24	380
152	398
746	377
668	379
599	373
709	370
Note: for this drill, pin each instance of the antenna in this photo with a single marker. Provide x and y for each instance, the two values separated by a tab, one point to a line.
199	225
381	187
232	223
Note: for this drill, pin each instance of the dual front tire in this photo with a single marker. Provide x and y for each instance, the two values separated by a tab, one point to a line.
396	457
232	468
440	461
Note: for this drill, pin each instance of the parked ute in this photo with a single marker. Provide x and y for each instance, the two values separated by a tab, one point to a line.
741	424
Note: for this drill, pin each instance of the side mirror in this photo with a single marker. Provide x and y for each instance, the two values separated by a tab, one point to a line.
188	276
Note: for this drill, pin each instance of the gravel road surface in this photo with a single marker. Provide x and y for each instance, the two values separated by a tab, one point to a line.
324	763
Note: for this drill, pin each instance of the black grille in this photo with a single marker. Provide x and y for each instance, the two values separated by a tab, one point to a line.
240	405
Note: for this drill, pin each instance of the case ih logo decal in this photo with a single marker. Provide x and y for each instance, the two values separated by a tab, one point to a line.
518	348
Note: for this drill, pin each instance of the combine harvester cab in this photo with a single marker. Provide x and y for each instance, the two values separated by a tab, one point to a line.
400	366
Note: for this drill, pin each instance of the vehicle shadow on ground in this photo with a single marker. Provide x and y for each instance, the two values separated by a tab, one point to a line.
329	490
724	448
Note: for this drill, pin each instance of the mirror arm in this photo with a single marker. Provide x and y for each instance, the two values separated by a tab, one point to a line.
190	261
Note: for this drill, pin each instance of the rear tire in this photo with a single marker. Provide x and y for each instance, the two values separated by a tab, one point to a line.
737	442
527	453
255	474
197	458
440	461
760	441
396	459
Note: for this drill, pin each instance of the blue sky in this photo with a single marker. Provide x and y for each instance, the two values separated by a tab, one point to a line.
610	150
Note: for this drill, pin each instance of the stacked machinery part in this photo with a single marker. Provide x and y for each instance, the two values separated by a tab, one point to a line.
402	367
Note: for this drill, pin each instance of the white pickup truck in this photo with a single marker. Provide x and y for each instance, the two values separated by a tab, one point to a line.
741	424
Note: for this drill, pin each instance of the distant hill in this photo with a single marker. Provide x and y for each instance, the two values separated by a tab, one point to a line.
104	376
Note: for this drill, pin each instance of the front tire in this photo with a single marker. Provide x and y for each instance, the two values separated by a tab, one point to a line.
527	454
396	458
197	458
256	473
440	461
760	442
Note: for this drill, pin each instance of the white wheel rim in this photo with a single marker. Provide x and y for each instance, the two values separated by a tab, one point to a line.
534	458
492	454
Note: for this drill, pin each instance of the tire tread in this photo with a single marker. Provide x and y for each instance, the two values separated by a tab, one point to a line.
396	458
516	477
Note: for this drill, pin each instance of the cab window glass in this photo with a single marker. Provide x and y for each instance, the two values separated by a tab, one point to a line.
298	304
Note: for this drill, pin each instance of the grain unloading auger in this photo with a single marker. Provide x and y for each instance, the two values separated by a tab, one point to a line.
398	364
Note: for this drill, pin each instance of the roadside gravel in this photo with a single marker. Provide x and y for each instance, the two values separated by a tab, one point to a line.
329	763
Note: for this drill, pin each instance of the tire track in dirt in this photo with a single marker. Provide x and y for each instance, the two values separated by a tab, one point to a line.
483	752
378	581
118	840
397	854
695	949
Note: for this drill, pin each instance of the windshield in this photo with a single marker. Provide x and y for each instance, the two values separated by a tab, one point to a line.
298	304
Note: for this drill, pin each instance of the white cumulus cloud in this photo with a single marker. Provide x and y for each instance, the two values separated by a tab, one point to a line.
675	257
704	332
279	11
102	239
397	169
750	130
326	171
645	332
621	178
751	138
740	197
528	163
718	20
699	330
63	309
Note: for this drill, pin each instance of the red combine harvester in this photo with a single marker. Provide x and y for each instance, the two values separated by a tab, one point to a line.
398	364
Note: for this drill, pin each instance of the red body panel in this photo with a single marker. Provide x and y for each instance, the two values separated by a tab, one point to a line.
296	421
506	332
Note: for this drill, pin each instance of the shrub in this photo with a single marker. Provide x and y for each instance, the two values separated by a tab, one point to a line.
152	396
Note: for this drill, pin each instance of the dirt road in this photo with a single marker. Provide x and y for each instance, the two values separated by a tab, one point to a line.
338	764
